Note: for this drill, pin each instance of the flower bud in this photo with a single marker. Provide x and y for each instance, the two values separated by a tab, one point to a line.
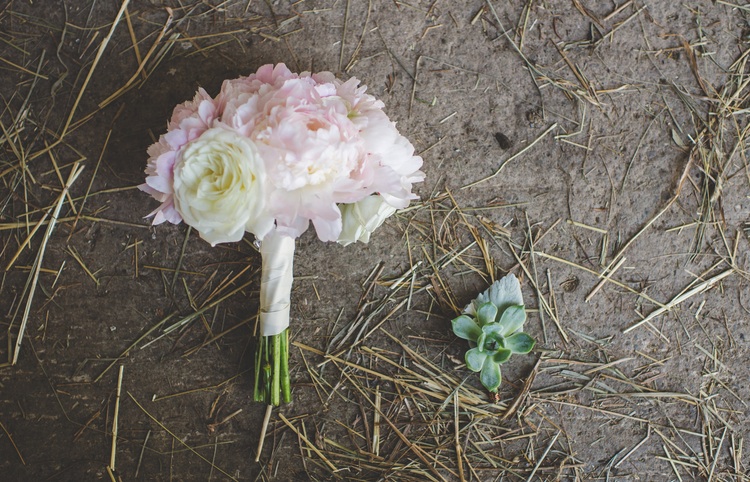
360	219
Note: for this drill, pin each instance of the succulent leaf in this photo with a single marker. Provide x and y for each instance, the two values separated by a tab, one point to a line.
520	343
481	340
466	328
492	328
512	319
505	292
490	375
493	333
486	314
502	355
502	293
475	359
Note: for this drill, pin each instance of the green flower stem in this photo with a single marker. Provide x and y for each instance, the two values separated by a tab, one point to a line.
260	364
286	390
272	384
276	371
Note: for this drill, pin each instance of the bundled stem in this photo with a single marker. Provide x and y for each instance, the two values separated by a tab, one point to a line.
272	384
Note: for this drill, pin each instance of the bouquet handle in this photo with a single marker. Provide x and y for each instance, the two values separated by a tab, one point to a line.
272	384
277	252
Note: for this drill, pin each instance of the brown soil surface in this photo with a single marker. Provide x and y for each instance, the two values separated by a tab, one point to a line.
600	132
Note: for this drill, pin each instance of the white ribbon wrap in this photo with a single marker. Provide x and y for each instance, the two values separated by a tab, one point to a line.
277	252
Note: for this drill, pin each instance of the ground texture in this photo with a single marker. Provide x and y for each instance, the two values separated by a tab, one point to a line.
594	149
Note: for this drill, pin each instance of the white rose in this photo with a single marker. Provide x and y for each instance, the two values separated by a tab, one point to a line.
220	187
360	219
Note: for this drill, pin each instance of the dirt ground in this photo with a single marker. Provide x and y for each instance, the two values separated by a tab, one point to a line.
594	149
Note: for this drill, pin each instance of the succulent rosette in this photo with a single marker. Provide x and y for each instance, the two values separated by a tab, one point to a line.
272	153
492	324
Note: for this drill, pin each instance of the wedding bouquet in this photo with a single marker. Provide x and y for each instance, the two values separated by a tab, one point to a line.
271	153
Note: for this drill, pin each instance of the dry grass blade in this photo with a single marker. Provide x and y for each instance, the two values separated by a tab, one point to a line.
590	96
513	157
34	276
88	189
611	33
134	344
647	225
523	393
23	69
74	253
593	409
343	35
606	275
355	54
376	422
700	288
99	53
544	455
141	62
206	388
115	421
140	456
609	280
717	452
457	441
178	439
264	428
309	444
12	442
636	447
26	242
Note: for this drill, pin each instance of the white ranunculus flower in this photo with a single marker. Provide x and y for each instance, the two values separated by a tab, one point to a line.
220	187
360	219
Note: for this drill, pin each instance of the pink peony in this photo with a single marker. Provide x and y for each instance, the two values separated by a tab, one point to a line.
325	142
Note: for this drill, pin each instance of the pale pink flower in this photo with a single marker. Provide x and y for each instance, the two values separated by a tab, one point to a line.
189	121
314	157
397	168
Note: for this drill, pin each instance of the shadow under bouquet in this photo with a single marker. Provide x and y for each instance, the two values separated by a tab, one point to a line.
270	154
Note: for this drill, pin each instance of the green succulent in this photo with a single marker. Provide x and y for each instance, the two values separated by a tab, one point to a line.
492	324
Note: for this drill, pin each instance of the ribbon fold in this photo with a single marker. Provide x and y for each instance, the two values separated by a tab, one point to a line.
277	252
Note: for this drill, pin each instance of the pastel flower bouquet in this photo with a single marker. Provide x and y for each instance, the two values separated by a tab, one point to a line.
271	153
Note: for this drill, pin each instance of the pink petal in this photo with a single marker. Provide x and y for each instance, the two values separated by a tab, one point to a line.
176	138
159	184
